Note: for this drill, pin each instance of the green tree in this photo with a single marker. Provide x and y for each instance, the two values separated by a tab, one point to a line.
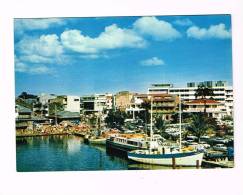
21	102
186	117
25	95
203	92
55	107
115	118
160	124
227	118
200	125
145	116
93	120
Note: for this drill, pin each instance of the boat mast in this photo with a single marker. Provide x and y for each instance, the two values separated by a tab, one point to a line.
180	121
151	123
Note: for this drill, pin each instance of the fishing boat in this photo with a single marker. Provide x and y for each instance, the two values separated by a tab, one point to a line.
101	140
165	155
128	142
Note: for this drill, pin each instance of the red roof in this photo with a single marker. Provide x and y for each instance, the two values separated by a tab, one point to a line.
201	101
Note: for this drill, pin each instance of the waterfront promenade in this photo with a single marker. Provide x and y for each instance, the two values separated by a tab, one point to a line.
48	130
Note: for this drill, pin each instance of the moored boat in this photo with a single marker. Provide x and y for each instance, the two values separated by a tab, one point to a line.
189	158
126	142
101	140
97	141
166	155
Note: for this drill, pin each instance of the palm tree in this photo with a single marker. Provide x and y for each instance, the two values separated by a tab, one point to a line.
199	125
145	115
160	124
203	92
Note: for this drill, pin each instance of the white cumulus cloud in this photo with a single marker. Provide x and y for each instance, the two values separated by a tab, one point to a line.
214	31
37	24
183	22
33	58
158	29
31	69
113	37
45	45
154	61
34	53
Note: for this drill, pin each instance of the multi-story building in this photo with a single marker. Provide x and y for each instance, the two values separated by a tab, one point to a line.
163	104
222	92
25	118
229	101
87	104
109	101
44	98
213	108
97	103
70	103
123	100
136	105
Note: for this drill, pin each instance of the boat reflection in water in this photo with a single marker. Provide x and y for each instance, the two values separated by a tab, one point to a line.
141	166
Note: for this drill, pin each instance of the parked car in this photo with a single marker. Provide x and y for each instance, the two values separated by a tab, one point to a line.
205	145
219	140
220	147
205	137
192	137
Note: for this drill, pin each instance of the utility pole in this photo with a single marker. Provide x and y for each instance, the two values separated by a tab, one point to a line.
55	114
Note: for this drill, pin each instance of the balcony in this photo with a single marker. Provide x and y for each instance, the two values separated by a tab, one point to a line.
164	105
212	110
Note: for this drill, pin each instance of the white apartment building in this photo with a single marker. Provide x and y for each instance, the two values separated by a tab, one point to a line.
229	101
100	102
213	108
136	104
222	92
96	103
109	101
71	103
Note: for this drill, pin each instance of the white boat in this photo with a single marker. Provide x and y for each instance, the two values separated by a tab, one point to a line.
165	155
192	158
128	142
98	141
101	140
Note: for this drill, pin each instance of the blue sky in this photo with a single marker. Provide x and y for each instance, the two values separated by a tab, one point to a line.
95	55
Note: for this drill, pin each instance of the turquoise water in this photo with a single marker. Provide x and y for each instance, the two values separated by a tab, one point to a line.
68	153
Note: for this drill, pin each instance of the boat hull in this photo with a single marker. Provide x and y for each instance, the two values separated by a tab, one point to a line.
121	147
100	141
180	159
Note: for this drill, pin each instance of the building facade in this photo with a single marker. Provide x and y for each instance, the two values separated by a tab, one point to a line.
214	108
164	105
222	92
97	103
69	103
123	100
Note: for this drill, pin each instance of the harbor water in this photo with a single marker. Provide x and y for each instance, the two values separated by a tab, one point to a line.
69	153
